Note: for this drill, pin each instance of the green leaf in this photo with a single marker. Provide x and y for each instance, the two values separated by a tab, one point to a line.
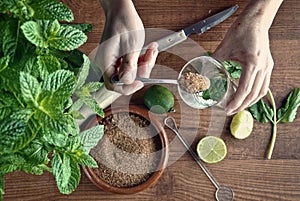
11	162
18	8
61	84
75	58
87	160
289	111
36	152
51	10
1	186
67	38
4	63
61	168
92	104
217	89
34	33
46	34
12	135
82	27
234	69
90	137
22	114
262	112
8	104
73	179
10	38
30	88
55	139
93	86
83	73
47	64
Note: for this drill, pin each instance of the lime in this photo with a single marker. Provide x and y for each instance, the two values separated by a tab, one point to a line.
211	149
159	99
241	125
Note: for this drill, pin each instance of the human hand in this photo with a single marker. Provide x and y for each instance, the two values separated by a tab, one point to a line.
120	47
247	43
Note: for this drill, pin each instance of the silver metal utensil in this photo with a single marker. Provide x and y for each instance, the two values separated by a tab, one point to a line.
223	193
115	80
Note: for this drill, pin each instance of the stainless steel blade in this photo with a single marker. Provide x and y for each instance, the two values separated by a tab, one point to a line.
209	22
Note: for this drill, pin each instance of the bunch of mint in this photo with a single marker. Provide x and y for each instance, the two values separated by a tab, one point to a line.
40	74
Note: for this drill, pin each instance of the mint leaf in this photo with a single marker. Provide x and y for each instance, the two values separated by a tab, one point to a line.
46	34
61	84
1	186
34	33
73	179
37	152
47	64
93	86
8	104
10	163
289	111
13	136
61	168
91	103
83	73
51	10
30	88
10	38
87	160
261	112
82	27
90	137
4	63
234	69
18	8
67	38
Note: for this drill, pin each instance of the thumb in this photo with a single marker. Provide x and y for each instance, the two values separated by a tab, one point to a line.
128	68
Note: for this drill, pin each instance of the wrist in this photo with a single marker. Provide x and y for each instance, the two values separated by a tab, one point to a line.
260	13
110	6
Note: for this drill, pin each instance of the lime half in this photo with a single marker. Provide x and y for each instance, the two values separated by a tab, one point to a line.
241	125
211	149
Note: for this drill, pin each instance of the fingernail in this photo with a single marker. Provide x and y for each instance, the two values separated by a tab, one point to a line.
127	77
228	111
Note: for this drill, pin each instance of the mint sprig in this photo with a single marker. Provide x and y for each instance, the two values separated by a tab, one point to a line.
41	74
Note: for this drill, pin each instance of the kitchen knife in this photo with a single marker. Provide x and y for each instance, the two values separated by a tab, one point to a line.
197	28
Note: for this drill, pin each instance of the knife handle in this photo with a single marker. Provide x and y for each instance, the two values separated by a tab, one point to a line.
168	41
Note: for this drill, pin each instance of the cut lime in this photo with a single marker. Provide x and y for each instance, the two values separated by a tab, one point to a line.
211	149
241	125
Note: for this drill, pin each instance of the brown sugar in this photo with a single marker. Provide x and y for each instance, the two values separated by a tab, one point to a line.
128	152
194	82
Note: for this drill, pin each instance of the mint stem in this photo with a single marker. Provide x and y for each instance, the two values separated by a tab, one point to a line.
272	143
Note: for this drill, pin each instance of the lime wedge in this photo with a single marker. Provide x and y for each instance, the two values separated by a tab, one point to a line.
211	149
241	125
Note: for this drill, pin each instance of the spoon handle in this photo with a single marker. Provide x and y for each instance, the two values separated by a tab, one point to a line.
170	123
115	80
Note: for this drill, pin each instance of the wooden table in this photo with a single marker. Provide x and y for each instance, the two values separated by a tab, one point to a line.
245	168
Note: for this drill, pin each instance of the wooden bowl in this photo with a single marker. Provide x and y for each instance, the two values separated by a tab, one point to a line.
103	185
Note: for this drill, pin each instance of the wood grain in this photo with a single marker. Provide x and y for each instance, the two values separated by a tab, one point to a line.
245	168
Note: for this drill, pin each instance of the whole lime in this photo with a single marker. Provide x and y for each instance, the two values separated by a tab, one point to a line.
159	99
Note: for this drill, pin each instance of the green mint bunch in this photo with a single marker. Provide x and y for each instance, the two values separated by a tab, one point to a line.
41	74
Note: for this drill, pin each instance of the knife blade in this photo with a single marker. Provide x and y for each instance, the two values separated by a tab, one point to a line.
197	28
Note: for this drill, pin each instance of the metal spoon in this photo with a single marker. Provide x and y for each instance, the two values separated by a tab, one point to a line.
223	193
115	80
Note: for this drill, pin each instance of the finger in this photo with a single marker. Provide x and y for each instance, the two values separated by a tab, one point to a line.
245	86
264	88
128	68
255	92
147	61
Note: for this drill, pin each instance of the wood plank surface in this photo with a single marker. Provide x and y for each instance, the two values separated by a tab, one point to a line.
245	168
